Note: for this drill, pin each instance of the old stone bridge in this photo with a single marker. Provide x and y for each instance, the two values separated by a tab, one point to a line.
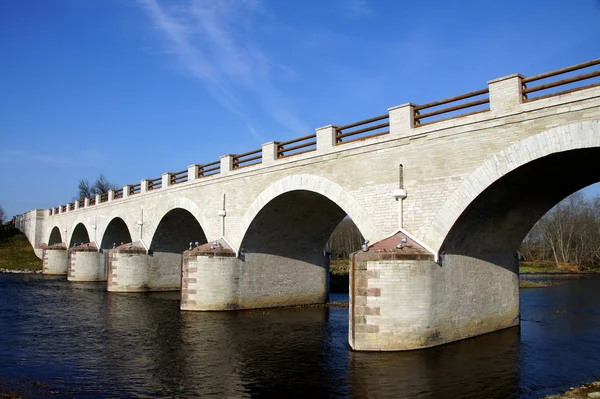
444	193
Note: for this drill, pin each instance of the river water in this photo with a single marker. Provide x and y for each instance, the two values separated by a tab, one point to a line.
61	339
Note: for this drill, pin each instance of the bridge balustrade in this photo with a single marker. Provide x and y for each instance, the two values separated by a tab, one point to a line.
570	82
302	145
155	184
209	169
179	177
373	130
247	159
476	102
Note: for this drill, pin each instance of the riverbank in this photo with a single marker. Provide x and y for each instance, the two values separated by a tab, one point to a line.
586	391
16	253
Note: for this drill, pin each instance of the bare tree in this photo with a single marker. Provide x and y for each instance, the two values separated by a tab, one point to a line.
568	234
2	214
100	186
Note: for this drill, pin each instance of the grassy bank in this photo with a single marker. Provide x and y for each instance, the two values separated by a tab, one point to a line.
16	252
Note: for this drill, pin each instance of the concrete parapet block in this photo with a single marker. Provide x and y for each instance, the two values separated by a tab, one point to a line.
166	180
111	195
402	120
326	138
269	153
506	93
98	199
144	186
192	172
226	164
126	189
86	202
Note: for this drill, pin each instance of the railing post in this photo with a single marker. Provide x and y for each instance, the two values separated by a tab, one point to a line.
144	186
192	172
50	212
111	195
506	93
98	199
126	191
166	180
226	164
326	138
86	202
76	204
402	120
269	153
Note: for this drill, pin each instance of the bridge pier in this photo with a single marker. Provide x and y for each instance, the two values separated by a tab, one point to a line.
86	264
215	279
401	299
55	259
131	269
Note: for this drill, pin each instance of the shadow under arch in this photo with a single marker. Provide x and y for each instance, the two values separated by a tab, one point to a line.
517	186
317	185
55	236
175	231
115	234
79	236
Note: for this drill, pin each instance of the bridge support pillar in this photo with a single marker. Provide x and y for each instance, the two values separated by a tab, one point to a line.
215	279
86	264
210	278
131	269
55	259
401	299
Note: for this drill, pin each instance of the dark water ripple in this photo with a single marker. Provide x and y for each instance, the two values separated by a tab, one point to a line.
60	339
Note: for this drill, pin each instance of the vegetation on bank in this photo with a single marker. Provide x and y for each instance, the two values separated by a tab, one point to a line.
16	251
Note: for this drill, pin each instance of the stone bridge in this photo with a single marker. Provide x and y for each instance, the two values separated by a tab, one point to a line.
444	193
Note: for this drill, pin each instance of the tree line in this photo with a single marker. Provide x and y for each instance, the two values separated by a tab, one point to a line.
568	234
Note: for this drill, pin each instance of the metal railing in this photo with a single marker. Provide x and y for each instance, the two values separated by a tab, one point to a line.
419	117
179	177
63	208
71	206
209	169
368	130
103	197
92	201
135	189
81	203
118	194
302	145
247	159
155	184
569	83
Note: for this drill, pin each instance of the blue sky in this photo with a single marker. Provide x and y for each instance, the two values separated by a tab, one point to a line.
133	89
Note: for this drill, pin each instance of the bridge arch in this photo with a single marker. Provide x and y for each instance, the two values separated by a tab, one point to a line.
55	236
79	235
509	192
317	185
116	233
175	230
130	220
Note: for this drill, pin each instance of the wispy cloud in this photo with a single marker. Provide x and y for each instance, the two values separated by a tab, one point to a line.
356	8
86	158
211	39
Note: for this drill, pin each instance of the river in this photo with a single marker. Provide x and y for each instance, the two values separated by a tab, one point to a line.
61	339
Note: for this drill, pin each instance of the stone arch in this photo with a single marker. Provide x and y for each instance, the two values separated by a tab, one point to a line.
175	230
120	213
116	233
55	236
557	140
176	203
79	235
316	184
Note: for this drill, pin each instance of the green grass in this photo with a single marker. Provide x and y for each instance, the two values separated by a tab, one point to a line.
16	252
530	267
